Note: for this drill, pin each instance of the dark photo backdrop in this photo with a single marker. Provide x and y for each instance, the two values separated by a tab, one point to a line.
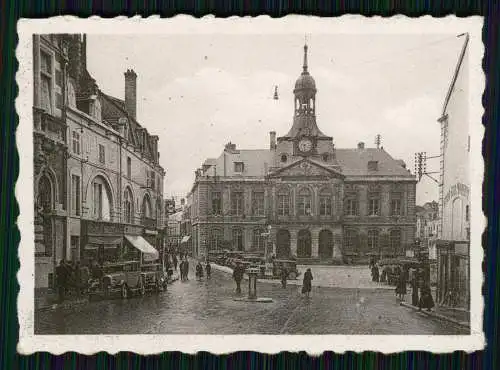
11	11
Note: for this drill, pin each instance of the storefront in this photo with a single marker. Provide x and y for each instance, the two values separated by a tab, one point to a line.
453	273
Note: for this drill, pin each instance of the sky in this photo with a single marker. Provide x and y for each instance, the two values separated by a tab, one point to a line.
199	92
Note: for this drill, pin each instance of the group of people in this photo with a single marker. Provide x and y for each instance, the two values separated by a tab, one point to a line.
417	283
199	270
71	276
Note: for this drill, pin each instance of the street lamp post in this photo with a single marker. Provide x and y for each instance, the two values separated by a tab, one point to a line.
267	236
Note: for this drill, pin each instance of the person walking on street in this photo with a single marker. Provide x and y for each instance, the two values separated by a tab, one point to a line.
401	286
307	283
199	271
62	279
375	273
238	276
181	270
414	291
174	260
208	269
186	269
284	276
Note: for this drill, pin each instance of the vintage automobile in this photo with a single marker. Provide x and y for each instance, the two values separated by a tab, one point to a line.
153	277
218	257
289	265
120	277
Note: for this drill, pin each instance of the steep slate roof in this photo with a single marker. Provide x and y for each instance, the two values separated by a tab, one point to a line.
254	160
354	162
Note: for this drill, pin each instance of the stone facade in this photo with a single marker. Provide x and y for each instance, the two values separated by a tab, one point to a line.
320	203
94	163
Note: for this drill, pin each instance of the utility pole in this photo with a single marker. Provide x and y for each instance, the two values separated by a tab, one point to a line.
421	166
378	140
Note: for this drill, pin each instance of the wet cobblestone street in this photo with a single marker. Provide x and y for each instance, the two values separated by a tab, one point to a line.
207	307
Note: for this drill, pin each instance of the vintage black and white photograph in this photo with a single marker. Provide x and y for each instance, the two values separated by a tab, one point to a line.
299	182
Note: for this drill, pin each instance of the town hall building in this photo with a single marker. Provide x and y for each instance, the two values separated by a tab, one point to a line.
302	197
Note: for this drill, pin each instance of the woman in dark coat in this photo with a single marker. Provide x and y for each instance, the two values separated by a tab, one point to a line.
426	300
306	285
414	291
401	286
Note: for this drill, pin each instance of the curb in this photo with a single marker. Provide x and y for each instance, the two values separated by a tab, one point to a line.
66	305
436	315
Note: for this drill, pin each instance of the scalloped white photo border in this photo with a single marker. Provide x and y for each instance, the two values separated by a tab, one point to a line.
313	344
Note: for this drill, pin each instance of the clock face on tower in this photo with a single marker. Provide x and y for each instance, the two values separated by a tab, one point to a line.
305	145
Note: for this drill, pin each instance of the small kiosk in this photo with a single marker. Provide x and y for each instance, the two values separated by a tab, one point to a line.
252	273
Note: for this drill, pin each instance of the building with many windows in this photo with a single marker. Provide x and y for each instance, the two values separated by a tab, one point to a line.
97	179
322	203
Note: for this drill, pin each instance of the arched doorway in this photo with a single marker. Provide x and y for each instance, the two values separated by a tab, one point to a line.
282	244
325	244
304	244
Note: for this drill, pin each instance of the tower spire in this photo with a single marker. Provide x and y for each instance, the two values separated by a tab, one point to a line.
304	67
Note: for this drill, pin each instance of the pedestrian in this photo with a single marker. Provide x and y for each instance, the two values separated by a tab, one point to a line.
306	283
174	260
375	273
84	277
208	269
401	285
284	276
181	270
372	263
426	300
414	291
61	279
186	269
238	276
199	271
78	278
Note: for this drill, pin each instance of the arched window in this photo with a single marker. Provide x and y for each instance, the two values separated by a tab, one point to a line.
101	199
258	241
128	206
304	202
215	239
44	194
325	202
146	207
395	240
283	202
373	242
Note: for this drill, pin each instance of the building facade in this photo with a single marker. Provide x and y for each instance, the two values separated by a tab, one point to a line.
97	175
322	203
454	241
428	229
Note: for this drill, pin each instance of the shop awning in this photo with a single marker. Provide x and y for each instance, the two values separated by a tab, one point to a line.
150	253
185	239
104	239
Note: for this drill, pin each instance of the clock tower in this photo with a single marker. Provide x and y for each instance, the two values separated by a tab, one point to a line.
304	138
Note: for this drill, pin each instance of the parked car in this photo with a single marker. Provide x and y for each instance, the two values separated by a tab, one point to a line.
153	277
121	277
290	265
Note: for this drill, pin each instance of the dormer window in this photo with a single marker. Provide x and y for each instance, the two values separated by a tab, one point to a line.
325	157
372	165
239	167
284	158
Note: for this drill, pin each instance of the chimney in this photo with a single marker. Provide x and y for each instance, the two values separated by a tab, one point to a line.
131	93
154	142
272	139
361	145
